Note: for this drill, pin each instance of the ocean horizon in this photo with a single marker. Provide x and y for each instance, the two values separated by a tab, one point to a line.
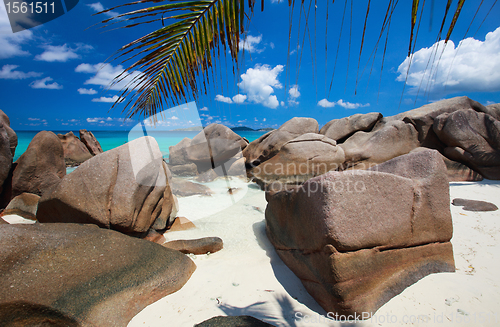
112	139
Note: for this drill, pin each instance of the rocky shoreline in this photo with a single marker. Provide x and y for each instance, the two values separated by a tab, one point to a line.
358	210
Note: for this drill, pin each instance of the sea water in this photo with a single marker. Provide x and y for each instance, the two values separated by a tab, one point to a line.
112	139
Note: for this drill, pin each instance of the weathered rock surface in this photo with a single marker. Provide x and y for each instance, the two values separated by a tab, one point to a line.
298	160
357	238
233	321
12	136
182	187
493	110
41	167
474	205
83	275
197	246
125	189
184	170
75	152
5	158
24	205
472	138
456	171
22	313
339	129
214	146
177	153
423	118
365	149
269	144
90	142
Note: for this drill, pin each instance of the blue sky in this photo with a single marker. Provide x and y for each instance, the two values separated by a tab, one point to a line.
52	76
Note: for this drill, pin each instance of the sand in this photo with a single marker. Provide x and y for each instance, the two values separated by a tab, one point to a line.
248	278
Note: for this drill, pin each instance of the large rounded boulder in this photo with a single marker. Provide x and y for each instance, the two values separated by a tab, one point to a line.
82	275
214	146
340	129
366	149
4	119
300	159
269	144
125	189
472	138
41	167
75	152
357	238
90	142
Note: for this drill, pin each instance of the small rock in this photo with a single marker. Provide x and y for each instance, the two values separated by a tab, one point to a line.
182	187
474	205
197	246
24	205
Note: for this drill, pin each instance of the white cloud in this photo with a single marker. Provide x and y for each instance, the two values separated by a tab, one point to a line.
174	118
239	98
104	75
106	99
86	91
222	98
60	53
264	119
42	84
9	72
293	95
204	109
271	45
471	66
259	84
98	7
250	43
347	105
11	43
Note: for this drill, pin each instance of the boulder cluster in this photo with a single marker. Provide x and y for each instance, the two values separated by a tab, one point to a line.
65	270
464	132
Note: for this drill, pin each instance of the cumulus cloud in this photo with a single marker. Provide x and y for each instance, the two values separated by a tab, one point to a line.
86	91
347	105
11	43
250	44
204	109
9	72
106	99
293	95
61	53
473	65
239	98
104	75
222	98
42	84
259	84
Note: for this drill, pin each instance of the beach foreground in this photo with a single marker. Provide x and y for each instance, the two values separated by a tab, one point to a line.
248	278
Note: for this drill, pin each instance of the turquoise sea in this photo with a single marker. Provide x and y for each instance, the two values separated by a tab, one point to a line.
113	139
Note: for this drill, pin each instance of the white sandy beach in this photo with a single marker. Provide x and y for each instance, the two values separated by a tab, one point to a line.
248	278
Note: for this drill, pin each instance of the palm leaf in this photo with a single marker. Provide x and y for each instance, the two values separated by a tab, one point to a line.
173	59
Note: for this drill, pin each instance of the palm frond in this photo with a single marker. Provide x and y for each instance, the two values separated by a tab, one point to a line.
174	59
